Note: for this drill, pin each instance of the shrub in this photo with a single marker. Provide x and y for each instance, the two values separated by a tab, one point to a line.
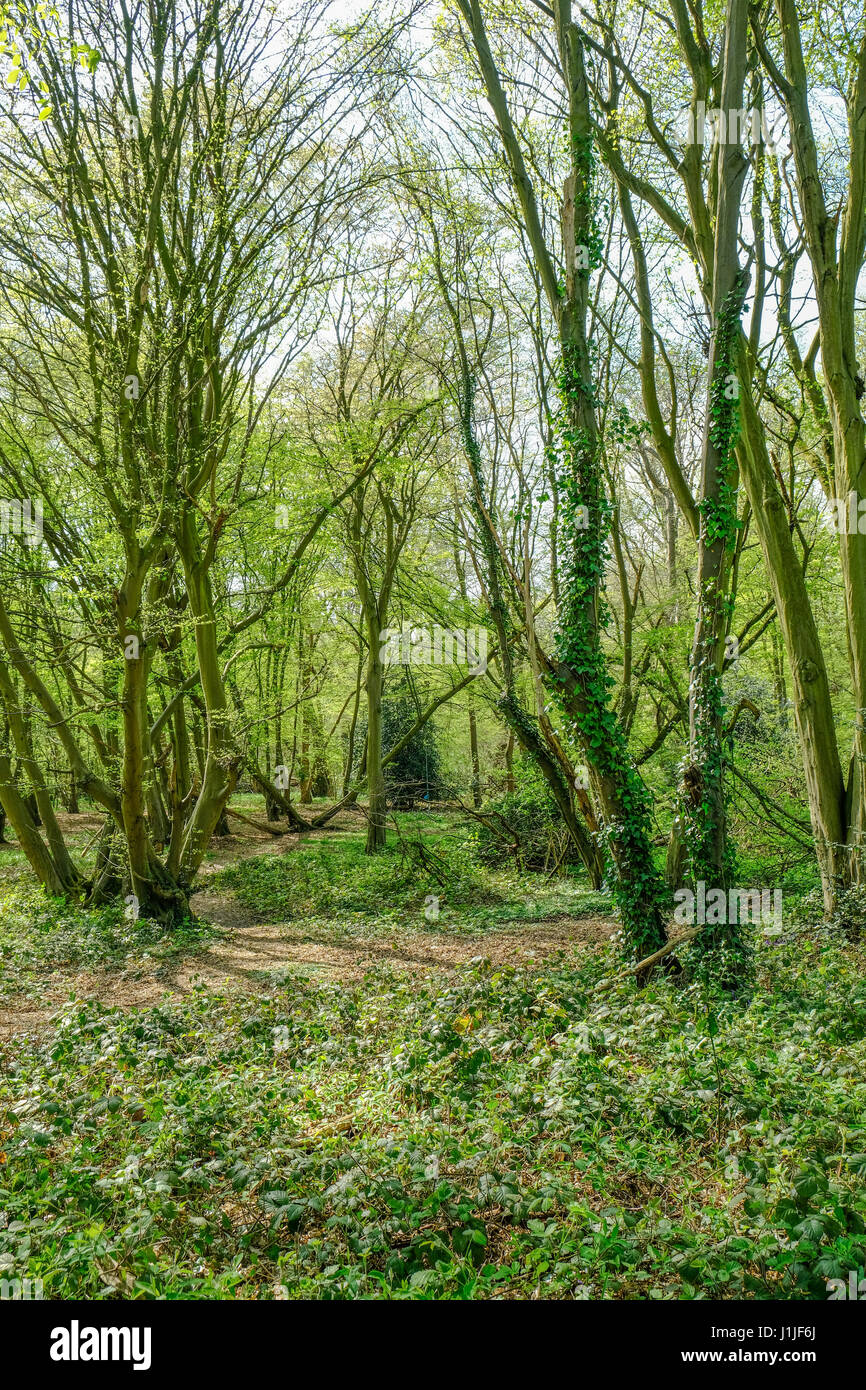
523	827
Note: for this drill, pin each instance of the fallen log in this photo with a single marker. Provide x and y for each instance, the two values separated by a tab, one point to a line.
259	825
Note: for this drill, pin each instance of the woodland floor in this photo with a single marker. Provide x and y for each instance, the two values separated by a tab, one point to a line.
396	1078
251	954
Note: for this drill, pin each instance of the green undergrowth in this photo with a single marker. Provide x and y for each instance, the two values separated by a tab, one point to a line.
432	884
504	1133
40	935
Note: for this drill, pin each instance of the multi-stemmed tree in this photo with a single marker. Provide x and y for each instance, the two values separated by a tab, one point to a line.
164	222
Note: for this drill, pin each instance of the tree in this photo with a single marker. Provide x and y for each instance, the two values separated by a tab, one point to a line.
578	672
166	232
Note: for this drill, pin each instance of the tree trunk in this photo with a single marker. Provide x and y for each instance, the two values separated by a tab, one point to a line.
376	832
704	800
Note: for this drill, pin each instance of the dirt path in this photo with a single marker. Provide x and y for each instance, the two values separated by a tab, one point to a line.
252	957
246	954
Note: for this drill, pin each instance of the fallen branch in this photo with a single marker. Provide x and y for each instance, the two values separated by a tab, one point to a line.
268	790
648	961
257	824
